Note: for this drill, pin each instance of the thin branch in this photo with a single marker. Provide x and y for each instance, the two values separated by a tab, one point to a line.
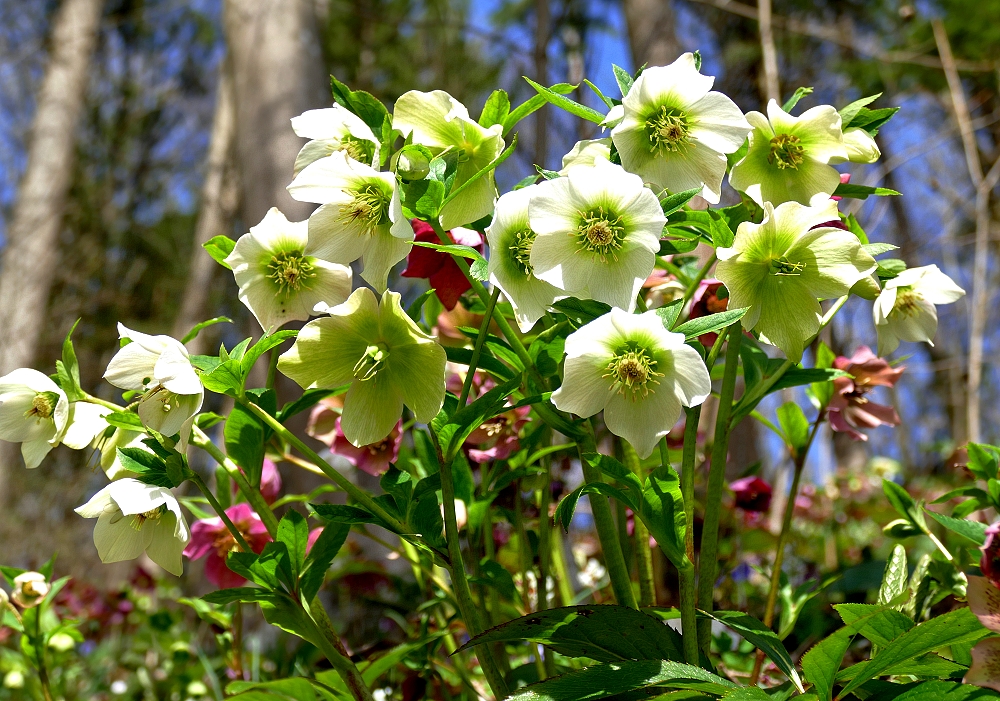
772	89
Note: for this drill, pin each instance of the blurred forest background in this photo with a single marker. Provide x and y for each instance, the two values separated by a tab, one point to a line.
133	130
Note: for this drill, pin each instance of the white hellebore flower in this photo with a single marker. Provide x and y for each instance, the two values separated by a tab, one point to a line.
905	311
639	373
334	129
35	412
676	130
361	216
133	518
159	367
597	233
787	158
511	238
585	152
442	124
861	147
280	278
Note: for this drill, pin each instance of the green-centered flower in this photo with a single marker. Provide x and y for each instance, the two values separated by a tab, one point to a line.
635	370
781	267
676	130
334	129
135	518
442	123
377	349
361	216
787	159
280	278
510	237
905	311
597	233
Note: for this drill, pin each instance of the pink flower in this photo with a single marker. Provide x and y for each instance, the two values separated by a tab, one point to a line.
752	494
497	439
984	601
211	537
850	409
440	269
324	425
989	563
706	301
844	179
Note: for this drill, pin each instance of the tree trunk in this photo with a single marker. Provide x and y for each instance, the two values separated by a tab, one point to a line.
218	204
651	34
277	74
31	253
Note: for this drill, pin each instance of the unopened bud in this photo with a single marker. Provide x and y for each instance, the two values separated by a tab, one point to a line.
29	589
413	162
867	288
14	679
4	601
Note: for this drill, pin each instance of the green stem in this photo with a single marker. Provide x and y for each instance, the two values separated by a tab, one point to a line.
643	553
39	643
614	559
358	495
565	584
690	289
253	496
463	594
708	560
203	488
334	651
545	553
477	350
786	529
689	619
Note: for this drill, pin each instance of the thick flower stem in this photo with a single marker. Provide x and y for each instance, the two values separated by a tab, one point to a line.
463	594
786	527
39	644
688	595
643	553
477	350
358	495
707	561
253	496
614	560
217	507
334	651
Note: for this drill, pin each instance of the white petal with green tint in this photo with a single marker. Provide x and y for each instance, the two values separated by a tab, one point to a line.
584	153
906	311
334	129
511	239
86	421
861	147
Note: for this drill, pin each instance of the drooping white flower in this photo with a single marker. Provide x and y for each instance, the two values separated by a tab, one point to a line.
280	278
906	311
584	153
334	129
782	266
361	216
861	147
30	589
597	233
676	130
442	123
510	237
133	518
787	157
639	373
159	367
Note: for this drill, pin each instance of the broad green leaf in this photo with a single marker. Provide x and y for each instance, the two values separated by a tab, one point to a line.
904	504
861	192
761	637
972	530
933	691
610	467
452	431
581	311
197	328
794	424
929	665
674	247
69	367
608	102
342	513
496	109
877	249
564	512
149	468
983	460
669	313
623	78
246	594
606	633
266	343
671	203
601	681
748	693
662	511
225	378
713	322
244	439
308	400
219	247
293	531
533	104
482	172
574	108
850	111
882	628
317	562
365	105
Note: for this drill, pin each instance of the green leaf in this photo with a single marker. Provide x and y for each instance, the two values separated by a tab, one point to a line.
608	102
463	356
796	96
794	424
872	120
317	562
850	111
574	108
948	629
927	666
482	172
581	311
601	681
673	247
244	439
671	203
669	313
496	109
245	594
904	504
286	614
895	576
69	368
889	268
972	530
761	637
564	512
623	78
933	691
533	104
293	531
748	693
662	511
882	628
422	198
610	467
452	431
309	399
341	513
226	378
126	420
983	460
150	468
706	324
722	234
266	343
196	329
365	105
606	633
861	192
219	247
877	249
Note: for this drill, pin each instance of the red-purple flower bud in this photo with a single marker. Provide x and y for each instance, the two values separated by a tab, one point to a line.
752	494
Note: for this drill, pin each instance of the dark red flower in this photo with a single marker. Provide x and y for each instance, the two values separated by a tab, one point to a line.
850	409
439	268
706	301
752	494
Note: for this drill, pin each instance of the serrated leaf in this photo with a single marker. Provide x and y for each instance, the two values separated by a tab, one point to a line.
882	628
245	594
849	112
149	468
623	78
671	203
972	530
293	532
496	109
317	562
342	513
669	313
933	691
895	576
877	249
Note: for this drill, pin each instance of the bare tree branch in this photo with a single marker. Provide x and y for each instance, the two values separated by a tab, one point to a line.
769	54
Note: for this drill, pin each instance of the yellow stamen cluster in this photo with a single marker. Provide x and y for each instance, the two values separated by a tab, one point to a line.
786	152
632	372
290	271
600	232
667	130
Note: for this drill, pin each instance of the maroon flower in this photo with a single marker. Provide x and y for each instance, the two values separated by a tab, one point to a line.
497	439
210	537
752	494
440	269
324	425
989	563
706	301
850	409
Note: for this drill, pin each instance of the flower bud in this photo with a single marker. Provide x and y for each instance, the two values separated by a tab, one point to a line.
4	601
29	589
866	288
413	162
62	642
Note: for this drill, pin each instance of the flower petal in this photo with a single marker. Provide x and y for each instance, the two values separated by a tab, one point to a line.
85	423
371	409
643	421
432	117
117	540
164	547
